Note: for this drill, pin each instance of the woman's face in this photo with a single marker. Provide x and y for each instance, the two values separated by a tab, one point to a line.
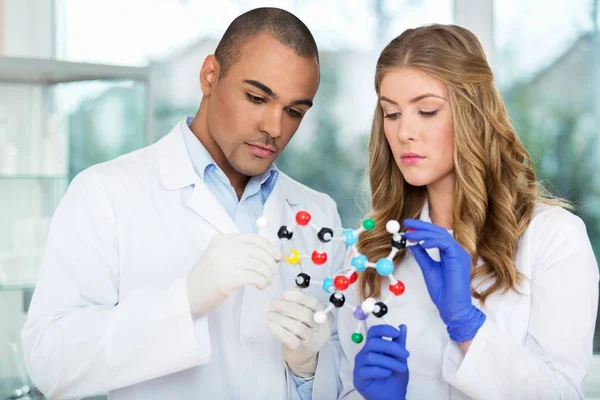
417	120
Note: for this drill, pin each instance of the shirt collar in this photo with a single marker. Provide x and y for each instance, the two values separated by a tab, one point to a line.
204	163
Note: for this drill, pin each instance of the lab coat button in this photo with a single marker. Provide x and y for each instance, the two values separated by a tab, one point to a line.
250	342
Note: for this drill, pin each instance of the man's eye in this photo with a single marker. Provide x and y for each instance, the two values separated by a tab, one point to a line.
293	113
254	99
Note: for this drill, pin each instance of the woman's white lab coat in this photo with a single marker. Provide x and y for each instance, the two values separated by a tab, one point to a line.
110	311
536	344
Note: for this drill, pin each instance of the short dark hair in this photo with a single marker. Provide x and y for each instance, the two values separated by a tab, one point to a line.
282	25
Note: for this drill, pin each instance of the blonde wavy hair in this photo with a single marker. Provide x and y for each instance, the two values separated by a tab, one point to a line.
496	188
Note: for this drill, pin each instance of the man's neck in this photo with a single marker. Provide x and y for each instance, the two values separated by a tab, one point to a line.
199	128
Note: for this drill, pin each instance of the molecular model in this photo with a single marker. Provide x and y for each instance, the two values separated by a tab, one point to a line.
339	283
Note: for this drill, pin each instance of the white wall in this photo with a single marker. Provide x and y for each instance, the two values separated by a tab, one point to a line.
28	28
477	16
2	27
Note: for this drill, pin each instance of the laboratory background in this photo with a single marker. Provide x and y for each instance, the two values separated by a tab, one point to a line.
84	81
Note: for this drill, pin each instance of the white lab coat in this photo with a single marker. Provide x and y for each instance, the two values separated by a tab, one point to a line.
533	345
110	310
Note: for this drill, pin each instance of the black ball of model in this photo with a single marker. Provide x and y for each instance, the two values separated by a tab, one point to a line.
303	280
382	309
337	299
283	233
325	235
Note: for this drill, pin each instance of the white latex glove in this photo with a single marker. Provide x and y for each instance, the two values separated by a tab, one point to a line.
229	262
302	338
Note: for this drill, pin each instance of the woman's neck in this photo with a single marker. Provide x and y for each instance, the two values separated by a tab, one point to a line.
440	197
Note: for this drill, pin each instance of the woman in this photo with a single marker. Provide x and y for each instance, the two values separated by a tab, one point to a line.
502	285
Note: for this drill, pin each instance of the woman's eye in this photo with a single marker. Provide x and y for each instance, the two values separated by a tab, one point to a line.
428	113
392	115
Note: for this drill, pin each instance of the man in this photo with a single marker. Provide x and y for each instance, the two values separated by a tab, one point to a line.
157	283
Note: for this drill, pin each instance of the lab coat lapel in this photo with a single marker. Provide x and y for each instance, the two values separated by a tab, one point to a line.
208	207
177	173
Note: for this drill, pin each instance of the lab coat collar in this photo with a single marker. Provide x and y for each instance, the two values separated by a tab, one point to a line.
176	168
177	172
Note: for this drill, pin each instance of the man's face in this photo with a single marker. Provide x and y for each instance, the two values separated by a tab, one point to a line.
254	110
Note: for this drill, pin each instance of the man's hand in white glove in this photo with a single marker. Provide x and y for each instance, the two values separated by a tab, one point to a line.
229	262
302	338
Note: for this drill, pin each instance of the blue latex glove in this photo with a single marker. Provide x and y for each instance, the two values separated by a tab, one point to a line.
380	368
449	280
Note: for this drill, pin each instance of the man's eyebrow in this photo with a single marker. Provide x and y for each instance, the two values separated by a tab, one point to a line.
262	87
272	94
302	102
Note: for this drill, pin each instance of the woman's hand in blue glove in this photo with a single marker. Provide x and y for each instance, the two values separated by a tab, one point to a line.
380	368
449	280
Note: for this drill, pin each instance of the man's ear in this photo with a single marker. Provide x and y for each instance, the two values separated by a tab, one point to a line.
209	74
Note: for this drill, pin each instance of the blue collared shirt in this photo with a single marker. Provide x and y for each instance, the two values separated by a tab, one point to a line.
244	211
249	207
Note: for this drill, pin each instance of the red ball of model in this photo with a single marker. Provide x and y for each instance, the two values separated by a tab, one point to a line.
319	258
397	288
353	277
341	282
303	218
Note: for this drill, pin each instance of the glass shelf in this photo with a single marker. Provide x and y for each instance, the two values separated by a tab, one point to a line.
61	117
17	287
34	177
50	72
